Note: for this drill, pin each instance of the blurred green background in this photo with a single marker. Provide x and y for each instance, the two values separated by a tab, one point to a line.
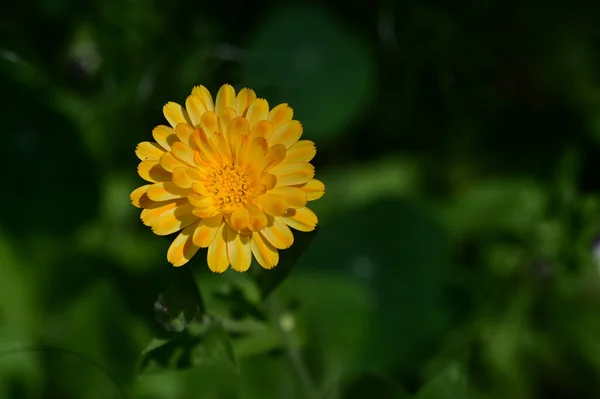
456	256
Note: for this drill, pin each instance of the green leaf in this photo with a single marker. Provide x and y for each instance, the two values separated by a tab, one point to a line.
450	383
268	280
181	303
216	347
323	72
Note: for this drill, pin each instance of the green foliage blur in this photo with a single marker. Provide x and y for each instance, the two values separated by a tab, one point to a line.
457	253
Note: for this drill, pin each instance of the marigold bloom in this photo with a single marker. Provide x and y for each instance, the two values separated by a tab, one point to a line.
231	175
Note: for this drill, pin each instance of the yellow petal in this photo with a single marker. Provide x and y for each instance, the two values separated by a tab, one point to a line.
152	171
269	181
209	123
195	109
169	162
207	230
184	131
278	234
149	151
183	248
266	255
183	152
302	219
243	100
261	129
175	113
166	191
225	99
205	145
217	258
293	196
240	219
280	115
203	94
257	220
225	117
275	155
155	209
238	250
314	189
287	134
206	213
223	146
201	189
200	201
165	136
257	111
271	204
238	127
182	178
174	219
289	174
256	154
302	151
139	198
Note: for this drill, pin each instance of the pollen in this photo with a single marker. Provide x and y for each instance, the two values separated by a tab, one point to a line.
229	187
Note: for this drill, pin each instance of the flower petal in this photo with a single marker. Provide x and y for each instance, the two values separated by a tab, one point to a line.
280	115
269	181
169	162
314	189
174	219
289	174
238	250
287	134
271	204
278	234
225	99
165	136
257	220
225	117
183	248
203	94
195	109
302	219
153	172
261	129
302	151
274	156
243	100
207	230
139	198
293	196
257	111
184	131
182	178
217	258
240	219
266	255
183	152
147	150
166	191
209	123
175	113
155	209
238	127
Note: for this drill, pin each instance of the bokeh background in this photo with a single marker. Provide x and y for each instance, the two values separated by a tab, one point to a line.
456	255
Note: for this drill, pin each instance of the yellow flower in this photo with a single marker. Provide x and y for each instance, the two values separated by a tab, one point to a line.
231	175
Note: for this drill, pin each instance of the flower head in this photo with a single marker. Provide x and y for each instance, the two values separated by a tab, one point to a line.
232	175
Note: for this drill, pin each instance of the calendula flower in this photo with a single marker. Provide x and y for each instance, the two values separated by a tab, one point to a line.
232	175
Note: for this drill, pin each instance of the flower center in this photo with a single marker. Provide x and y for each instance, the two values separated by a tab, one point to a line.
230	187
